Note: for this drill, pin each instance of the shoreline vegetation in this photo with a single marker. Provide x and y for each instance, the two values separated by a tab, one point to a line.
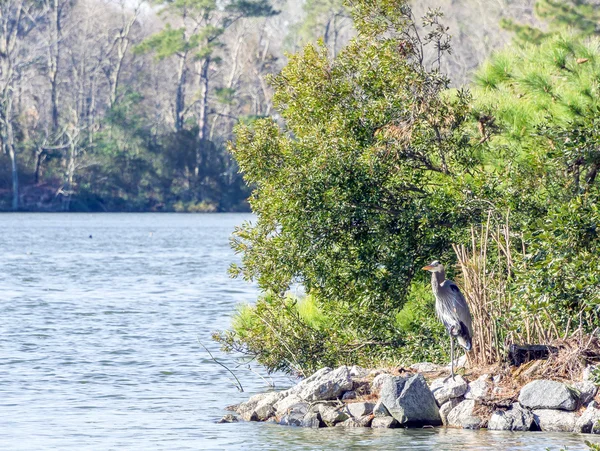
376	167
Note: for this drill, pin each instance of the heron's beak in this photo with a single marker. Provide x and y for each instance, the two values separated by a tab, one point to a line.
427	268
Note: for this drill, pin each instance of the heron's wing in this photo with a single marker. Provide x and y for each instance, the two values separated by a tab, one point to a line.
458	305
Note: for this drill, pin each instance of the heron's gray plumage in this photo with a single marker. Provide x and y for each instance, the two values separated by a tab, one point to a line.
451	308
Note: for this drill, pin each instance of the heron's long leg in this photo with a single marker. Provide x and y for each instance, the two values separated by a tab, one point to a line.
452	356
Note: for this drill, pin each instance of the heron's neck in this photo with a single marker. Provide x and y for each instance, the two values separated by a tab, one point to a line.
437	277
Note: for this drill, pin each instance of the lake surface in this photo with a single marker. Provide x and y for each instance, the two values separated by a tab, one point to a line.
100	317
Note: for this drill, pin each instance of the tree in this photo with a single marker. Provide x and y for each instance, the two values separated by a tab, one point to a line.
17	20
201	26
579	16
357	190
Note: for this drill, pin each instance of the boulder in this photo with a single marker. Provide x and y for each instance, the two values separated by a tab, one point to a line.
426	367
312	420
362	422
545	394
359	409
349	395
324	384
588	422
259	407
551	420
445	388
229	418
461	362
264	409
587	391
331	416
378	382
447	407
384	422
515	419
478	389
409	401
358	372
379	410
294	415
463	416
283	405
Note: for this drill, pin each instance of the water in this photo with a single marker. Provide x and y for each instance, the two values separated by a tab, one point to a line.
100	317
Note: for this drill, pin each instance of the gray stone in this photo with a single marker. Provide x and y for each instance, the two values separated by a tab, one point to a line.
229	418
447	407
264	409
380	411
587	391
409	400
461	362
359	409
479	388
358	372
545	394
588	373
550	420
312	420
445	388
515	419
426	367
588	422
378	382
463	416
362	422
331	416
283	405
294	415
324	384
384	422
349	395
496	379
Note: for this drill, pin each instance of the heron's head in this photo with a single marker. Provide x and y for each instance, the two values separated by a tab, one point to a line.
434	266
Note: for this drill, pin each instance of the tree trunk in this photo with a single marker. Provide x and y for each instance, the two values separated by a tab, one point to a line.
202	114
10	144
180	93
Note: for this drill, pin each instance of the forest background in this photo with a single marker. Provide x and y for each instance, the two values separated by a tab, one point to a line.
128	105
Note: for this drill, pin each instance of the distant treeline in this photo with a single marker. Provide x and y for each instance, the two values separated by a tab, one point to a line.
120	105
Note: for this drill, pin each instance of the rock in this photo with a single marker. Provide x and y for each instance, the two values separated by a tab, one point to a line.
283	405
294	415
588	373
229	418
378	382
496	379
358	372
426	367
362	422
545	394
324	384
515	419
384	422
380	410
478	389
461	362
331	416
349	395
587	391
444	388
550	420
588	422
312	420
376	372
264	409
409	401
463	416
259	407
359	409
447	407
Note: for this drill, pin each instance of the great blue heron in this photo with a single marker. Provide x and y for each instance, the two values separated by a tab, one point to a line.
451	308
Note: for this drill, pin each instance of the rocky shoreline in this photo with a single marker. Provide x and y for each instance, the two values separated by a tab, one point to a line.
415	397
